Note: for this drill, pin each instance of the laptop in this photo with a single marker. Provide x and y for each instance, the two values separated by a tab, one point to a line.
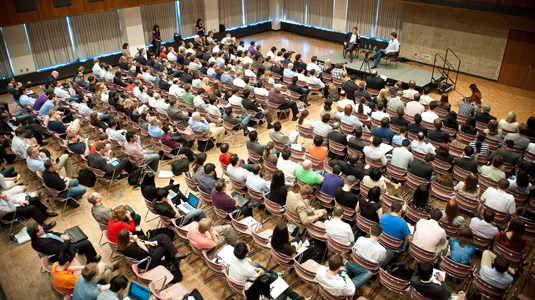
137	292
193	202
76	234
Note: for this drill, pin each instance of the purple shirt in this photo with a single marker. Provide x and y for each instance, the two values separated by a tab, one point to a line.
39	102
223	201
251	50
330	183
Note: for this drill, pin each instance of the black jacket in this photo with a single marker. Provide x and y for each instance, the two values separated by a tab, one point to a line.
439	136
119	82
358	94
348	169
142	60
164	85
277	69
507	155
187	78
296	88
484	117
348	37
466	163
350	87
337	137
399	121
413	127
250	104
5	128
421	169
50	246
95	160
431	290
376	83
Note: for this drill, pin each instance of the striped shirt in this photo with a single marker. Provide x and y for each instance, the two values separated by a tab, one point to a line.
484	148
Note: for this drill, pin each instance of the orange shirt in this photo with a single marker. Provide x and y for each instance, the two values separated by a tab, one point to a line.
200	240
318	153
63	281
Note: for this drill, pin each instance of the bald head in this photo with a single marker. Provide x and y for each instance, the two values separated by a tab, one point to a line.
196	116
290	66
307	164
55	74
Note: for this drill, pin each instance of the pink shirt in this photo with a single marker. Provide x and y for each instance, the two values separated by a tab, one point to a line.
413	108
428	235
199	240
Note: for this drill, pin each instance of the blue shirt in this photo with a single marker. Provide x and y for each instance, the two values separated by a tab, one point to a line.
36	164
226	78
155	131
460	254
85	290
384	133
46	107
398	139
57	126
330	183
395	226
199	126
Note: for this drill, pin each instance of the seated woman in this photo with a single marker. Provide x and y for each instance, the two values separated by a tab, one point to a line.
12	186
451	214
260	290
493	132
376	178
510	123
278	189
479	144
461	248
95	120
521	184
268	153
160	248
451	121
371	208
362	108
469	187
280	240
443	154
149	189
197	168
117	222
305	121
469	126
143	120
420	199
327	109
513	238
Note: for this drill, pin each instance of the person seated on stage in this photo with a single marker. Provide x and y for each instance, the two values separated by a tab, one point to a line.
351	41
330	278
393	48
99	161
159	248
423	282
11	206
204	236
51	243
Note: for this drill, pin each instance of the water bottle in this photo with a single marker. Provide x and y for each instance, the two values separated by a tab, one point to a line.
375	49
121	193
12	236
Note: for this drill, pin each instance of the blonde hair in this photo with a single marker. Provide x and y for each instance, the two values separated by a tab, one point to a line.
119	213
205	81
205	224
511	117
100	88
383	95
327	64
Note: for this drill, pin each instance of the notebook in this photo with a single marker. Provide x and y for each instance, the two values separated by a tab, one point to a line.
76	234
137	292
193	202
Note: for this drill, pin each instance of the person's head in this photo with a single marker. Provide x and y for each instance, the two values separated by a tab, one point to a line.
438	124
522	179
118	284
433	105
32	152
406	143
100	147
452	210
374	194
384	122
375	174
118	213
35	230
224	148
161	194
355	30
396	208
253	135
286	153
277	181
209	169
123	239
429	157
50	165
501	264
470	183
376	141
420	195
205	224
488	215
325	119
318	141
486	108
280	236
425	270
156	28
518	227
302	116
493	127
255	169
350	181
335	263
468	151
417	119
511	117
94	198
234	160
305	191
497	161
220	185
435	214
90	271
241	250
465	236
443	150
20	132
503	184
65	257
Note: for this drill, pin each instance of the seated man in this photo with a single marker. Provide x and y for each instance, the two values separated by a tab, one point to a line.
421	146
56	124
394	225
345	196
374	151
252	105
235	172
67	187
256	182
339	230
198	124
466	161
318	151
168	140
51	243
136	152
423	282
428	234
87	287
499	199
322	128
280	100
21	142
76	145
165	207
332	181
484	227
402	135
238	122
154	128
117	290
206	181
494	270
438	135
241	270
417	126
203	236
383	131
62	273
277	136
114	134
330	278
253	145
98	161
493	171
287	166
224	202
351	167
371	249
402	156
299	204
422	169
392	49
102	214
307	175
32	208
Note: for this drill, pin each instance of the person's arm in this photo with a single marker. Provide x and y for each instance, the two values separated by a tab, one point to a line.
140	243
357	208
75	268
213	235
380	212
131	226
177	214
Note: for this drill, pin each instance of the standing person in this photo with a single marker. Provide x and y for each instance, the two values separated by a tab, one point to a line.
156	39
199	28
393	47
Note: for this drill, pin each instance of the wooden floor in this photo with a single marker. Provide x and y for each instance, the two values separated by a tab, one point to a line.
20	277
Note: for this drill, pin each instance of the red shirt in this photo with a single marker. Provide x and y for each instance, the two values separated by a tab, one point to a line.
115	227
163	55
93	148
224	158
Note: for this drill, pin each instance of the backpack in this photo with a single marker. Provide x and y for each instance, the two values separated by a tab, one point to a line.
133	176
401	271
180	166
87	178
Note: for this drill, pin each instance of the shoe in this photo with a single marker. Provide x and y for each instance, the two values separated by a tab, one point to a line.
74	204
49	226
351	60
260	122
51	215
122	176
245	133
44	143
295	118
280	274
374	67
372	59
117	265
96	259
269	126
179	256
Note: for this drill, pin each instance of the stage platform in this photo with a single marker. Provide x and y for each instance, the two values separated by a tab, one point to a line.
402	73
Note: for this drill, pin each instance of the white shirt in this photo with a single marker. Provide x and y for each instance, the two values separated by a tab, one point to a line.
257	183
171	56
144	97
315	80
237	174
374	153
25	100
175	90
249	73
136	91
531	148
482	228
422	147
335	285
235	100
370	250
288	168
241	270
343	103
238	82
311	66
379	115
426	99
301	77
261	92
108	77
499	200
270	54
410	93
96	69
353	39
190	50
288	73
339	231
428	235
148	77
161	106
61	93
199	102
429	116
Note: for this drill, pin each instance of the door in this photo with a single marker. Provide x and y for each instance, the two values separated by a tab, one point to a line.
518	65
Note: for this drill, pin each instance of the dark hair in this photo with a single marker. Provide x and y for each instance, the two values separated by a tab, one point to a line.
234	159
280	239
479	141
488	215
255	169
522	179
501	264
130	136
518	227
420	196
335	262
318	140
277	126
260	287
199	161
118	282
417	118
435	214
253	135
65	256
374	194
468	150
425	270
224	147
240	250
209	168
286	153
497	161
465	236
396	207
375	174
161	193
277	181
326	118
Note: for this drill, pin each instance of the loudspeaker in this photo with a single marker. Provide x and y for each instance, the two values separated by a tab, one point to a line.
24	5
59	3
221	28
177	37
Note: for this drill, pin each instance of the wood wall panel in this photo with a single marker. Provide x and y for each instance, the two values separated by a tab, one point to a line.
45	9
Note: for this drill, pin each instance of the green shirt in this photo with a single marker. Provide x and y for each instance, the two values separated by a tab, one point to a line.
308	177
188	97
491	173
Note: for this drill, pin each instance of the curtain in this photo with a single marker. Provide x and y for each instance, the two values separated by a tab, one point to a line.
96	34
190	11
50	42
5	66
361	13
230	13
256	11
164	15
390	19
294	10
320	13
